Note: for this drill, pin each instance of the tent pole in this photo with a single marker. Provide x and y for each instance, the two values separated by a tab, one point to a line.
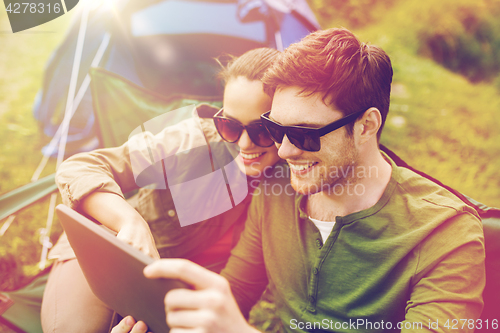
278	40
45	232
71	106
6	224
79	96
45	237
72	83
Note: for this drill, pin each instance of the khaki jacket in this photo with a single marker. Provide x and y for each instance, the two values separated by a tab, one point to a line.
111	170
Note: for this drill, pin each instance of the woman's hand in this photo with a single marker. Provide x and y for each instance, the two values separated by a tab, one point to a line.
115	213
128	325
137	233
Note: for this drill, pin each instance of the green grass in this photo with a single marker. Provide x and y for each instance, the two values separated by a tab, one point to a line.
22	60
438	122
451	128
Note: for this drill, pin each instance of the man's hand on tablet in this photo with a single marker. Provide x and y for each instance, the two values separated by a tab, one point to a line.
208	307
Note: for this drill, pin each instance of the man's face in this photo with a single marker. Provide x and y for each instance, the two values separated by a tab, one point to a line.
334	163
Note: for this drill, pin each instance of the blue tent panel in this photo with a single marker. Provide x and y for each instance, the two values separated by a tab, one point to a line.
292	30
196	31
180	17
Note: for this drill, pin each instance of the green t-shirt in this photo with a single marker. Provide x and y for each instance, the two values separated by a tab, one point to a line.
416	256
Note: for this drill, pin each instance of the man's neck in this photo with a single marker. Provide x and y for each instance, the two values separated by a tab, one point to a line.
359	193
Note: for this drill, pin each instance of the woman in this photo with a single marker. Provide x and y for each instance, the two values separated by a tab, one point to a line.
94	183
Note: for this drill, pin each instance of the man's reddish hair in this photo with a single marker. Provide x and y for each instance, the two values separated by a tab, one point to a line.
352	76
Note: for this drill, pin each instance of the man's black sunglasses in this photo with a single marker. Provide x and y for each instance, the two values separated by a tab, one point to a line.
230	130
304	138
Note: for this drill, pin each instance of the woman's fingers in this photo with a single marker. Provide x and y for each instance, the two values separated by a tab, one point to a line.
137	234
128	325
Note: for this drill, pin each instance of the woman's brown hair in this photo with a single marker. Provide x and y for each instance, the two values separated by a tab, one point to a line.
251	65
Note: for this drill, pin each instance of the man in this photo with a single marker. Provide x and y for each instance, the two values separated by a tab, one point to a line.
364	245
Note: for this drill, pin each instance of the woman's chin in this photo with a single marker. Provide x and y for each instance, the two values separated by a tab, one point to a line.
252	170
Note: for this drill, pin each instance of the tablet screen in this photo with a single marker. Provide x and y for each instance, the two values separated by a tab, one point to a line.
114	271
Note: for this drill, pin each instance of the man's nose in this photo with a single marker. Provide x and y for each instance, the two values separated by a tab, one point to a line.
287	150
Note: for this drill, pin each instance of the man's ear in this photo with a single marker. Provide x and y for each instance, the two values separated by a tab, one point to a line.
367	127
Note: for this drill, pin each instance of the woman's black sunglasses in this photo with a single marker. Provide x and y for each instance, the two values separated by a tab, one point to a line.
230	130
304	138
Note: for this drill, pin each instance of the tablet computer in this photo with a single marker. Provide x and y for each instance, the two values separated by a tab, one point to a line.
114	271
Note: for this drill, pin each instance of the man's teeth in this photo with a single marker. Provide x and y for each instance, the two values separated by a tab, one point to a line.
250	156
300	167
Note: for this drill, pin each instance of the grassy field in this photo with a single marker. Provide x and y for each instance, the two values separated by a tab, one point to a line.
22	60
438	122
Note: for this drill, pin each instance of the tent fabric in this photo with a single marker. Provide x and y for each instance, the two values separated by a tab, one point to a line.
169	17
50	101
115	97
152	53
24	314
19	198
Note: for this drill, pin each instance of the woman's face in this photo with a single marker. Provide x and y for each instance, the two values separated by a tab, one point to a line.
245	101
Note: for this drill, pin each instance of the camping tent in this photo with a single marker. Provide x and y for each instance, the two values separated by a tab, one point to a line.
165	46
